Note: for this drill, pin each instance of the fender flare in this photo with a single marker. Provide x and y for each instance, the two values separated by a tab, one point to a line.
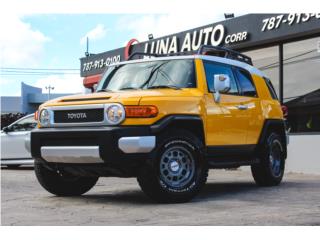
279	126
166	121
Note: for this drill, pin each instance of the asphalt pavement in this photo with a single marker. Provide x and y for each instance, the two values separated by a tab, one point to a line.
229	198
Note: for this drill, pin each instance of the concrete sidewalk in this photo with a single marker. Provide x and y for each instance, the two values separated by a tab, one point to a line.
229	198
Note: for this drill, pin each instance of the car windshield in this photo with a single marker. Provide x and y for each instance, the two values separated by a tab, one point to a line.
24	124
146	75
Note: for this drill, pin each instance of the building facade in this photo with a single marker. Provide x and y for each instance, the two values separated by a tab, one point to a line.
29	101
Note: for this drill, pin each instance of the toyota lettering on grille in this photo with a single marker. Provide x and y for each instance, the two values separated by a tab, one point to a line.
77	115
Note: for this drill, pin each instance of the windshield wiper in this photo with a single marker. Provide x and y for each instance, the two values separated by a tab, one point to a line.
164	86
152	72
129	88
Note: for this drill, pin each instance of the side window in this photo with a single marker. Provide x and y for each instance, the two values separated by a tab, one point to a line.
26	124
246	83
271	89
212	68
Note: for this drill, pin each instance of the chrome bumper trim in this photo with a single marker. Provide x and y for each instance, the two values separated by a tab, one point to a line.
71	154
142	144
17	162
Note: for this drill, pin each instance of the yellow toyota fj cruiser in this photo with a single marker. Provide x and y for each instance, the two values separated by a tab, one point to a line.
165	120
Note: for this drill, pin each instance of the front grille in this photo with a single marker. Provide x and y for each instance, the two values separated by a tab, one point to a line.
79	116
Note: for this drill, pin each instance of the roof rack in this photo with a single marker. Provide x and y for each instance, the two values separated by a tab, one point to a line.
205	50
143	54
153	55
223	52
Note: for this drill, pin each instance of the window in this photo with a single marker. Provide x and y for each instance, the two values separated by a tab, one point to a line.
144	75
26	124
178	73
301	85
267	60
271	88
212	68
245	83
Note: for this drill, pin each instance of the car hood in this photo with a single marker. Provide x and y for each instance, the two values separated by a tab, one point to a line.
126	97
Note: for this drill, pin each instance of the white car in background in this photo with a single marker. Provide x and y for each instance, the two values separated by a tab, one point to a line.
13	146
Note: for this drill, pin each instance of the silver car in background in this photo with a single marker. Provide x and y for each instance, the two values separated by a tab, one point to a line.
14	139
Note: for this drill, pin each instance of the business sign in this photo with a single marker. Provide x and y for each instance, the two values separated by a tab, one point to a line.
241	33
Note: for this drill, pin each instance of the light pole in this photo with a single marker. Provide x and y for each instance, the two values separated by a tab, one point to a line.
49	88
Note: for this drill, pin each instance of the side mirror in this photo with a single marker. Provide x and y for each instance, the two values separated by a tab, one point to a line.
222	84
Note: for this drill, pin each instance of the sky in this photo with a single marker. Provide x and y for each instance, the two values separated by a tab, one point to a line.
57	41
50	34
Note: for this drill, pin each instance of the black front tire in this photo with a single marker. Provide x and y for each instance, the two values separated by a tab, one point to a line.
179	178
62	184
270	169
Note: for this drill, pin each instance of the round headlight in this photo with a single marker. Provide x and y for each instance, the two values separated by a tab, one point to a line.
115	113
44	117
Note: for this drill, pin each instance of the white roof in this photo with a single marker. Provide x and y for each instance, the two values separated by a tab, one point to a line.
228	61
232	62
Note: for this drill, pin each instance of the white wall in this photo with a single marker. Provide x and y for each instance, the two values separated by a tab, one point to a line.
304	154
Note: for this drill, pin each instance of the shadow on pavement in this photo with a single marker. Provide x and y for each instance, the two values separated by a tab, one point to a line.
217	190
133	197
209	192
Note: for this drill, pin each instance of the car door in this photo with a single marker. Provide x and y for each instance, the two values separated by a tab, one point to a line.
227	120
13	141
250	104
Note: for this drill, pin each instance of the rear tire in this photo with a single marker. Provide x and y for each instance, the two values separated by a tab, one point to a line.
269	171
178	170
62	184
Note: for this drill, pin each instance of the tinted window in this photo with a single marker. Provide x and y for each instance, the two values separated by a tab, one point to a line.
213	68
26	124
271	88
246	83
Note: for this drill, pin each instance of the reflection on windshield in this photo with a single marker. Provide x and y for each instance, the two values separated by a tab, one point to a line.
154	74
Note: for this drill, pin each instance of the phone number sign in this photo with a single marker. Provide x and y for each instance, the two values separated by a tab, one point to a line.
242	33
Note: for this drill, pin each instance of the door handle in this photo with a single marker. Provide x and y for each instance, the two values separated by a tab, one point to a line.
242	107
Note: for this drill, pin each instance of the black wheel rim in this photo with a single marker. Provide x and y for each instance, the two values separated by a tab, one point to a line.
275	158
177	167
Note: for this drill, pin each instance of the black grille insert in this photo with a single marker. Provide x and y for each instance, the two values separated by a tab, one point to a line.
79	116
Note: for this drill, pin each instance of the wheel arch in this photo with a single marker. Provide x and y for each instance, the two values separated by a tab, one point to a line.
192	123
275	125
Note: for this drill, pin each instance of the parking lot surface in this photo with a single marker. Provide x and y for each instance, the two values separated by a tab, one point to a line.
229	198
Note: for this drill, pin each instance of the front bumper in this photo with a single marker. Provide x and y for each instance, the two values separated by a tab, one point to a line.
71	154
105	145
